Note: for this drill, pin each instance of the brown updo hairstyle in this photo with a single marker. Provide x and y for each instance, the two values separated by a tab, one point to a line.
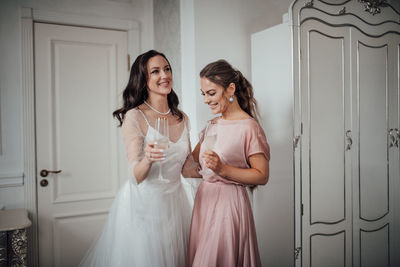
222	73
136	92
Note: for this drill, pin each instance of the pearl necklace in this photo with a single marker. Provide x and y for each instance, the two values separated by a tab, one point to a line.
155	110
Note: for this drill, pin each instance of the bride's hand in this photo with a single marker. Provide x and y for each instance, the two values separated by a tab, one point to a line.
152	154
213	161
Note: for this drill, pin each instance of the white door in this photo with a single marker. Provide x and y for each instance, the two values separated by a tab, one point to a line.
325	146
79	75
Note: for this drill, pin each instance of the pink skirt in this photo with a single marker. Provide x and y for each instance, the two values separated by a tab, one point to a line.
222	230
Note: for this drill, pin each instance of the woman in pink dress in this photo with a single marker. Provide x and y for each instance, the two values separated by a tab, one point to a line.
222	228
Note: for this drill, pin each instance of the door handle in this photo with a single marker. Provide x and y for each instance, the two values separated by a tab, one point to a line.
393	137
44	173
349	140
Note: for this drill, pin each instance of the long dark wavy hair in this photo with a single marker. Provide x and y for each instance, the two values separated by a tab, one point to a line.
222	73
136	92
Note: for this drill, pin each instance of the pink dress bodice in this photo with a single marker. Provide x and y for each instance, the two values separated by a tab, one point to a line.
237	140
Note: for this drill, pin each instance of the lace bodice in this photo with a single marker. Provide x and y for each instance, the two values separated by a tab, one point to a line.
138	130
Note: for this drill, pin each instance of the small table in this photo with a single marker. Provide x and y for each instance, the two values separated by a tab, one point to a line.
13	237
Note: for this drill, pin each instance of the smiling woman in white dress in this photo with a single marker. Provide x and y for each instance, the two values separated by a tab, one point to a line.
149	221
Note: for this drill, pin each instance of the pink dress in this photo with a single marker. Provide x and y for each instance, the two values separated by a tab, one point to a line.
222	228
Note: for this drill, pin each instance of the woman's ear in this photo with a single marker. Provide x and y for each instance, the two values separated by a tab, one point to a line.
231	89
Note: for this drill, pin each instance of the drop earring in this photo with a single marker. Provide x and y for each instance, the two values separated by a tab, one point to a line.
231	99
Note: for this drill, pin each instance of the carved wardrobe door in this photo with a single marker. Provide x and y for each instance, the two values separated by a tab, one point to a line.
326	158
375	79
346	88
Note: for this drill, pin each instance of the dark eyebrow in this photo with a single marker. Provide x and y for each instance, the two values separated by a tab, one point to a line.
156	68
207	90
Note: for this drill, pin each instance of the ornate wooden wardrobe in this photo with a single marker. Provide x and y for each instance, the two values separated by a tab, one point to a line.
327	83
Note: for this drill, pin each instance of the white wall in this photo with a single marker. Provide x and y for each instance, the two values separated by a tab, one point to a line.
222	31
11	164
274	203
167	36
11	139
188	66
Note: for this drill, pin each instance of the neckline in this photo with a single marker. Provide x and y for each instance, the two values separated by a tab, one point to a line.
177	141
149	126
224	121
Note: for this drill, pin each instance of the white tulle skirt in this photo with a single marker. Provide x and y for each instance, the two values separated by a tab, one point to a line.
148	225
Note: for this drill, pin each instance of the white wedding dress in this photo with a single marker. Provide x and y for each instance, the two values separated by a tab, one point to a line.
148	223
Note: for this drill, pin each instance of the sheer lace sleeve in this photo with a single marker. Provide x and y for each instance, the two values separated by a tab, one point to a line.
190	167
133	138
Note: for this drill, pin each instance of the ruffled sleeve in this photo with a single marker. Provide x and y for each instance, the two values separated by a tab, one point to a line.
134	141
256	141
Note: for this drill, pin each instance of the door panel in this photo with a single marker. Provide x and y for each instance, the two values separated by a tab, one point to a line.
374	247
326	128
326	158
79	75
328	250
76	87
376	164
394	151
373	95
68	229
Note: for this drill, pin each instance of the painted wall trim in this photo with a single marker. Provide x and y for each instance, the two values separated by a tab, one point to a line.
80	20
8	179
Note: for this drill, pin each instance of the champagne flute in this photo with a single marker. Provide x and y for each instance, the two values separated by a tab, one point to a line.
211	137
210	140
161	140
